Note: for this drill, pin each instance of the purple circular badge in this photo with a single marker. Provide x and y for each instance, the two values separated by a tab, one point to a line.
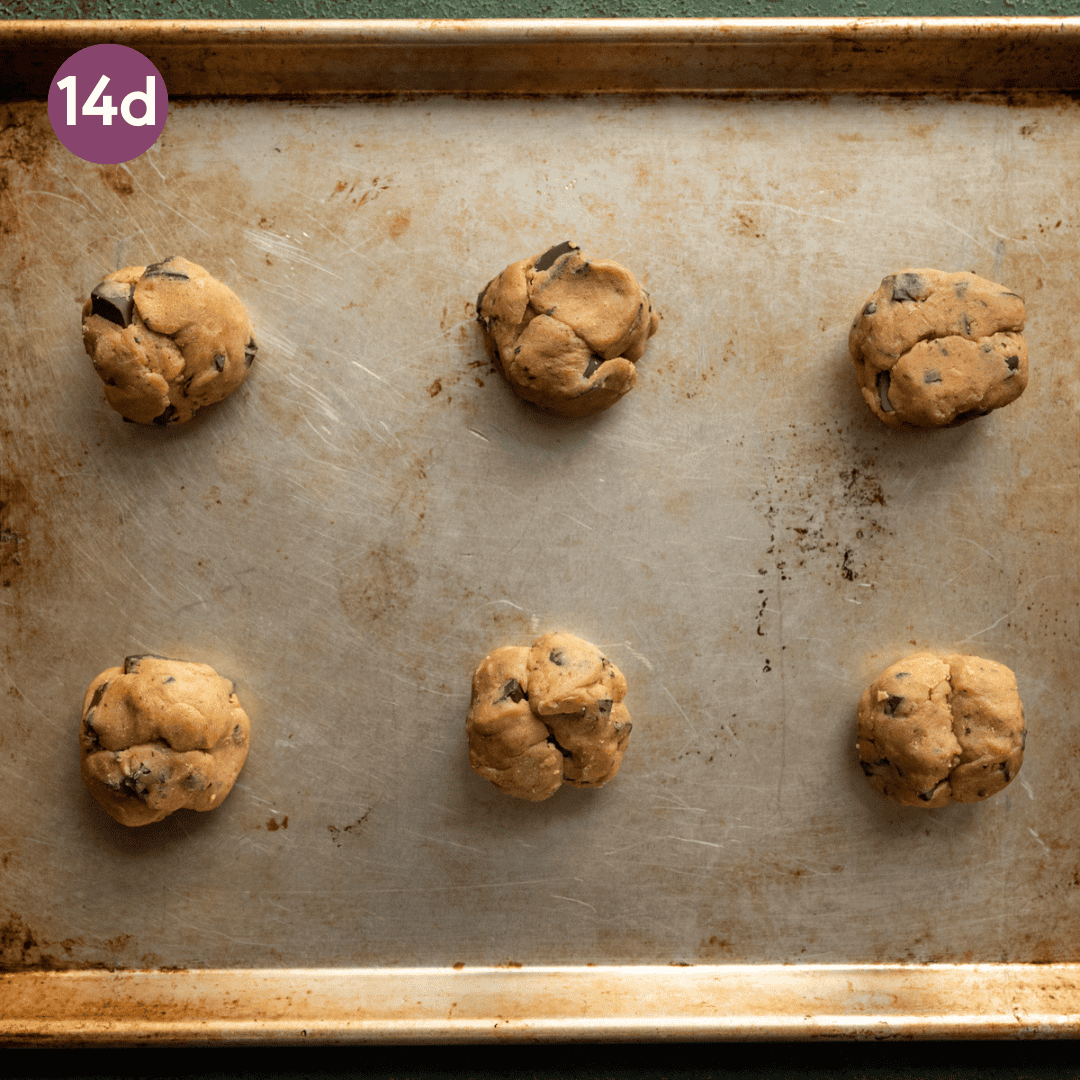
108	104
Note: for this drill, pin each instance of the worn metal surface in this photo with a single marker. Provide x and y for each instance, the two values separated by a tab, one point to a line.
373	511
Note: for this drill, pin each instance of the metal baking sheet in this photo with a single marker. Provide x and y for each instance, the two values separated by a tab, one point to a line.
373	511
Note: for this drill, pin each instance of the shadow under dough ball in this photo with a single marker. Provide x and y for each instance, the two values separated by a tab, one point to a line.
545	716
157	735
939	729
933	349
166	340
565	331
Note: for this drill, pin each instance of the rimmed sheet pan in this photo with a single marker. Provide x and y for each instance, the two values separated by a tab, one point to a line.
348	536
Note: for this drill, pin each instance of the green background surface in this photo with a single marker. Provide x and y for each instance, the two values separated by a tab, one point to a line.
491	9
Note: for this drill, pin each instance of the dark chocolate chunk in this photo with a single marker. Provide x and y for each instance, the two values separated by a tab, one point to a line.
931	376
594	362
162	270
867	768
908	287
114	301
480	297
890	706
219	361
562	749
131	663
883	391
90	736
169	679
604	707
99	693
902	675
1013	362
548	259
166	417
870	309
965	322
131	783
557	657
514	692
250	349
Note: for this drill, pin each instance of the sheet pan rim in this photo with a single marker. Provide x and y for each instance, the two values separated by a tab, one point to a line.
212	58
542	1004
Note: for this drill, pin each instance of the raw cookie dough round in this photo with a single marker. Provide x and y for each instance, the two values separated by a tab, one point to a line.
166	339
939	729
545	716
565	331
933	349
158	735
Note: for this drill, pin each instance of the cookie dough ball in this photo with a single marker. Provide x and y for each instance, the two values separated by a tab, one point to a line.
158	735
939	729
933	349
565	331
548	715
166	339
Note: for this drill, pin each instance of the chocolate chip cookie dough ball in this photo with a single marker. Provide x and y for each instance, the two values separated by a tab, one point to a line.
939	729
565	331
158	735
933	349
548	715
166	340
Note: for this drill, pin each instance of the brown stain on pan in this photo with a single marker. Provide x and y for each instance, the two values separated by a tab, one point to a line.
17	508
26	136
23	949
377	587
118	179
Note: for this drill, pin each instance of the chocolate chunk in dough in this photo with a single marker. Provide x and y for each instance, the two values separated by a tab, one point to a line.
939	729
166	340
158	735
565	331
547	715
114	301
167	268
933	349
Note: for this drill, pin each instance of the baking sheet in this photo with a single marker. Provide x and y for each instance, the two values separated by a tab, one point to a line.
374	511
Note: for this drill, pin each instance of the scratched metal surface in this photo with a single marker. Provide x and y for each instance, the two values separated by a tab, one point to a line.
374	511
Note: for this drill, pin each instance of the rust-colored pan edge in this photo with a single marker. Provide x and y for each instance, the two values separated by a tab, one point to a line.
437	1005
247	58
